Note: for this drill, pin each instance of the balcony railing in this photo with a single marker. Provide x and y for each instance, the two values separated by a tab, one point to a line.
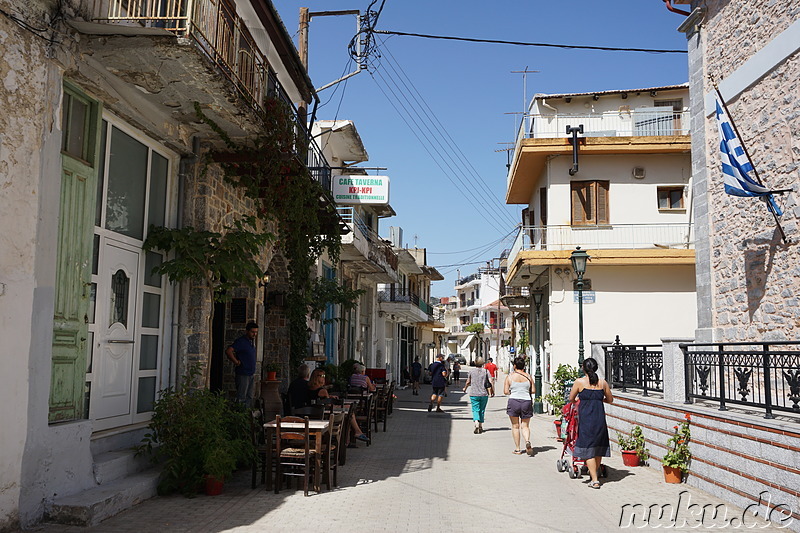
398	295
351	217
643	122
611	236
225	39
635	367
764	375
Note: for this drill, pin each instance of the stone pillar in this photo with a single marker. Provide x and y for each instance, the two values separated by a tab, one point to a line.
673	371
599	354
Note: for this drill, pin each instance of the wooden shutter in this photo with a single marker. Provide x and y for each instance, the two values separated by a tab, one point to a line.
543	205
582	199
73	277
602	202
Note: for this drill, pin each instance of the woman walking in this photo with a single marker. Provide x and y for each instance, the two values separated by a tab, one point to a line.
520	390
478	395
592	443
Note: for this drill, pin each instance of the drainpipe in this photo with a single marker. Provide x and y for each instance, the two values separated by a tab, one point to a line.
574	132
668	3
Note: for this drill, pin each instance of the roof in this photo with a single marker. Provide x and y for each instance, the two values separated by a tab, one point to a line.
494	306
616	91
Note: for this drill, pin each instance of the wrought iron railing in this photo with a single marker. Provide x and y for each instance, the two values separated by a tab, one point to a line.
764	375
225	39
635	367
382	249
400	295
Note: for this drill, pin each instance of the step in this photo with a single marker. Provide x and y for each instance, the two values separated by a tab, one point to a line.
114	465
92	506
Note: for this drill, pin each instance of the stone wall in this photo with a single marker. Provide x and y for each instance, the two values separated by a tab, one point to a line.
753	280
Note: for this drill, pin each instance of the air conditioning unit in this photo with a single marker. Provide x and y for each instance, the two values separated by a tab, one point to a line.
638	173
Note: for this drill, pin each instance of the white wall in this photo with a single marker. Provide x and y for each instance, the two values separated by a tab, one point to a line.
641	304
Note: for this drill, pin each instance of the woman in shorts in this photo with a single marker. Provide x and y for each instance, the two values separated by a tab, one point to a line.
520	390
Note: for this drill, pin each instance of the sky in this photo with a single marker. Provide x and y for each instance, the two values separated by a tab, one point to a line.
441	114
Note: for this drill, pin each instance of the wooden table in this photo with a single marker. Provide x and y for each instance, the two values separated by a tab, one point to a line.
316	428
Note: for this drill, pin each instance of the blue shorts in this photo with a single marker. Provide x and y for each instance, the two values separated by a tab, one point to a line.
438	391
519	408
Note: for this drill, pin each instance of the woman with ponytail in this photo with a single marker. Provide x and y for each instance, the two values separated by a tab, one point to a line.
592	443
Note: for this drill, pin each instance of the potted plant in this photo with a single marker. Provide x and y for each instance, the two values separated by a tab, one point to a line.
195	433
219	463
633	447
272	370
564	375
676	460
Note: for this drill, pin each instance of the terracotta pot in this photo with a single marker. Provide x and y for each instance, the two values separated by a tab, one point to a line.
630	458
672	474
558	429
213	486
272	376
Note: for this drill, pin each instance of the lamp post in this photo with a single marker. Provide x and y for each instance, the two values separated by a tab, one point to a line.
536	298
579	258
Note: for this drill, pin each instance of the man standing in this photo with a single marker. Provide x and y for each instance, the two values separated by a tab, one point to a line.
492	369
242	354
438	382
416	373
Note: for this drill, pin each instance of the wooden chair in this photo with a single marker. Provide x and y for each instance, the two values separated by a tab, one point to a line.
391	397
330	454
258	438
299	461
366	415
383	407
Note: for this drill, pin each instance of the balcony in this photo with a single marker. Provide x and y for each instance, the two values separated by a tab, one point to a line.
612	244
406	304
365	251
157	58
646	122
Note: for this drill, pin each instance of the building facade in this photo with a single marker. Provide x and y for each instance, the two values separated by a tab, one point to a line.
623	196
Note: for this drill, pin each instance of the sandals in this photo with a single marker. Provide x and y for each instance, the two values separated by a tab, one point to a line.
529	448
518	452
594	485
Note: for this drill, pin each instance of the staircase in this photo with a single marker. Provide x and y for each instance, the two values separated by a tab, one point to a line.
122	480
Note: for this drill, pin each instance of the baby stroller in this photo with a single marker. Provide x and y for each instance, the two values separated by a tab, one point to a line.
574	466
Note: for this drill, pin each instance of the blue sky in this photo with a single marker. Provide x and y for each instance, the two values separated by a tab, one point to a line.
458	101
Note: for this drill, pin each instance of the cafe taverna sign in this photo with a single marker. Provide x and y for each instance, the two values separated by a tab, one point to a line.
361	190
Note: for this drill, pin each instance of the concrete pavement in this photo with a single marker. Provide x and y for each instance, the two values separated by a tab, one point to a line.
429	472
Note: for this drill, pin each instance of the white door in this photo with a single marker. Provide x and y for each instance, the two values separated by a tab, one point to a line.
115	338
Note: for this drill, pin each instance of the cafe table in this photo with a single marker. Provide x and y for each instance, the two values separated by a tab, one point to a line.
316	428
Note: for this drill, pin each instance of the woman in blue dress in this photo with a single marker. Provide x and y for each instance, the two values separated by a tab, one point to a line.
592	443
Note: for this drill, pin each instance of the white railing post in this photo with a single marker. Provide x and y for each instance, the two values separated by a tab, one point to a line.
673	376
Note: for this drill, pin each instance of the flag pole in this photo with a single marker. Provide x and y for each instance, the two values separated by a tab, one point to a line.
747	154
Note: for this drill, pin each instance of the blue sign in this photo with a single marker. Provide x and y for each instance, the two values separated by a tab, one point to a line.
588	297
511	349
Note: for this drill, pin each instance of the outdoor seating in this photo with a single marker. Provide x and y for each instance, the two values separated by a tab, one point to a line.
293	460
330	453
314	412
365	416
383	406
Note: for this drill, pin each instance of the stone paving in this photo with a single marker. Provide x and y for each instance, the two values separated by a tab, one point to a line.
429	472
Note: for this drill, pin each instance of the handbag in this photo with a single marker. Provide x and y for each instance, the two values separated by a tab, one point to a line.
487	383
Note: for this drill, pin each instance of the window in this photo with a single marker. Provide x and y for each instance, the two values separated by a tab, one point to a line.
589	202
670	198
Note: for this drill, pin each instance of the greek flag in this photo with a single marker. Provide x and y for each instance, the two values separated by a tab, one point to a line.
735	164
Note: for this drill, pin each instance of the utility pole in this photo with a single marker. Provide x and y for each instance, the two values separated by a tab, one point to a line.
303	37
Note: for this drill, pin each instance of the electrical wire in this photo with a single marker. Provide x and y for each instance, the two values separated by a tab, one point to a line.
38	32
471	174
520	43
469	250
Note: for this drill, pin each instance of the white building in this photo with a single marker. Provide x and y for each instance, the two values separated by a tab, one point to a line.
624	197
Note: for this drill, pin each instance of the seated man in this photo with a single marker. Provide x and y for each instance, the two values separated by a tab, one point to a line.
298	389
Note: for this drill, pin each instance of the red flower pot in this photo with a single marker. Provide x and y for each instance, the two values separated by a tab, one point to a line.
213	486
672	474
630	458
272	376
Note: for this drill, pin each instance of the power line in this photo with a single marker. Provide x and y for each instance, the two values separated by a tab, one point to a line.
520	43
469	250
471	173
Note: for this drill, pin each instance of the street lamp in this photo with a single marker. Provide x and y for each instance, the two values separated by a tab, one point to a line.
579	258
536	296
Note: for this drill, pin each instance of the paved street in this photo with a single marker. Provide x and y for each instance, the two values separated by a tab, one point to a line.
429	472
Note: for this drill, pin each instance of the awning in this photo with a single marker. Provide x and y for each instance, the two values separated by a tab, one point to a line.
467	341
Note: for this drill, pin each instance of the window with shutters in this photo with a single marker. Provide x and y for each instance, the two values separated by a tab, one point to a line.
589	201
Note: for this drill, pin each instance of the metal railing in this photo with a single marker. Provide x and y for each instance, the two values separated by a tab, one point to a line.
399	295
635	366
764	375
383	250
225	39
609	236
467	279
644	122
